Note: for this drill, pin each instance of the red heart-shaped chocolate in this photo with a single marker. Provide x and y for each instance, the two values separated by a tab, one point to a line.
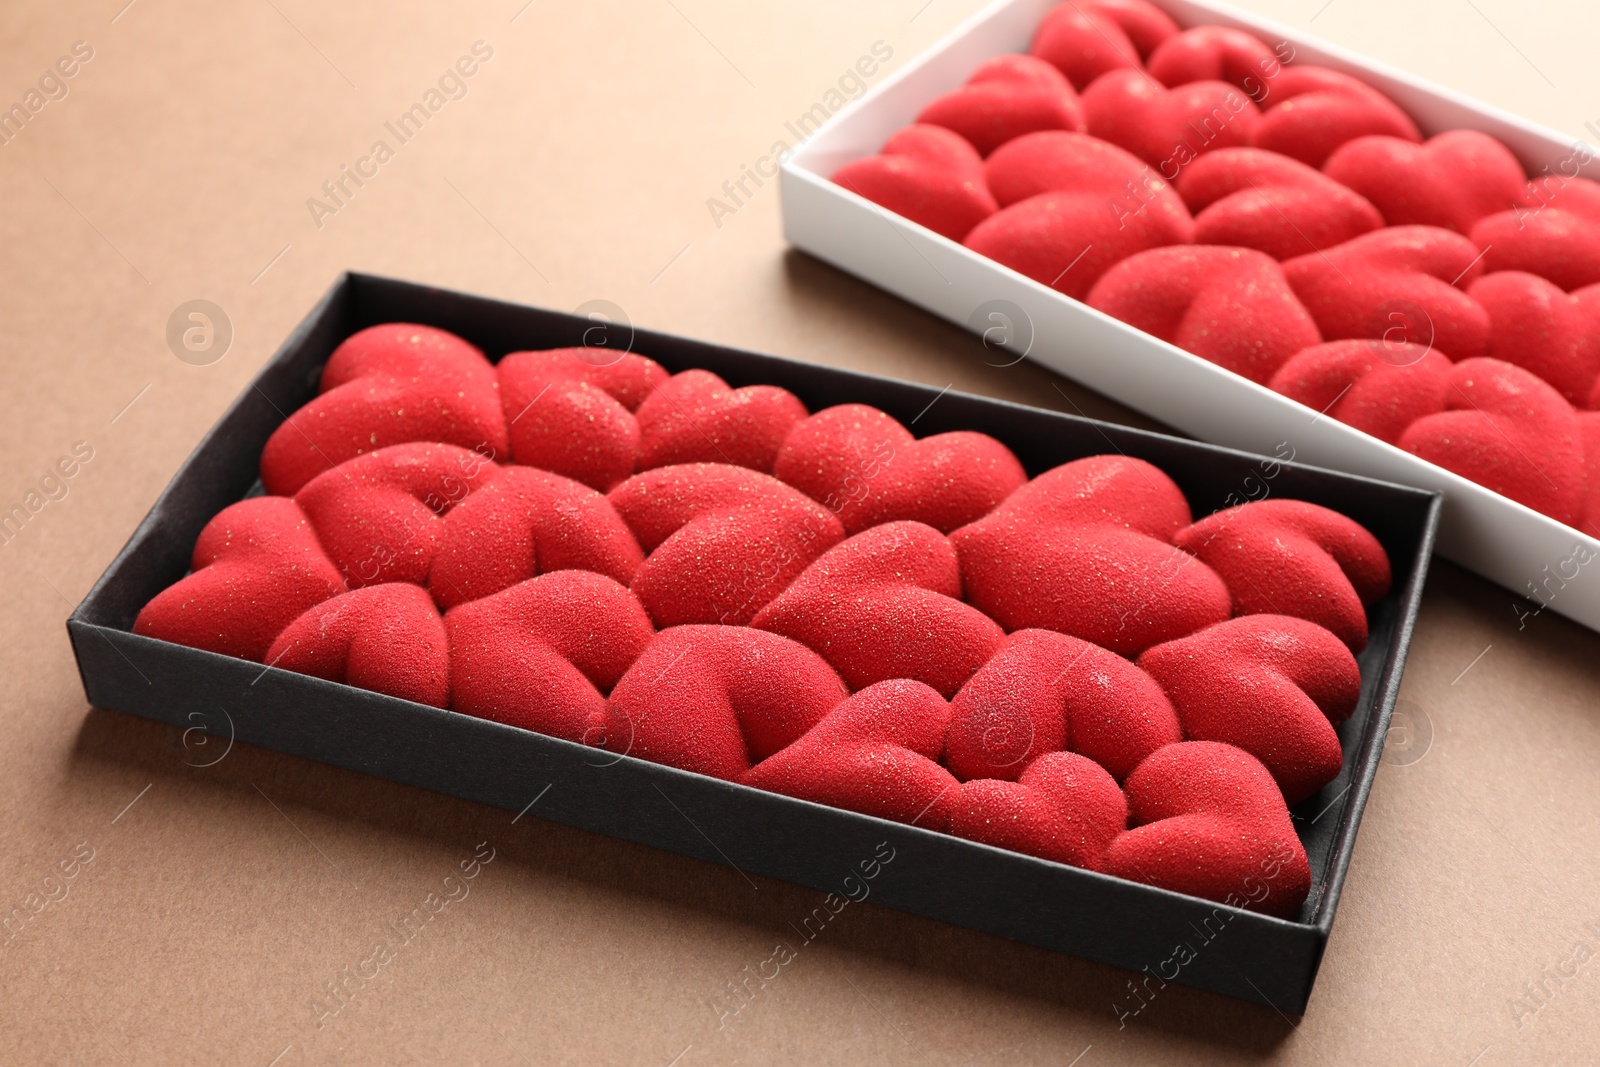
626	377
542	654
1232	306
1069	239
383	386
1253	198
1377	386
1146	25
257	566
1168	128
1085	550
867	469
1063	807
876	753
718	699
1209	821
722	541
1510	432
379	516
1589	433
694	417
1290	557
1536	325
1005	98
1399	283
887	604
1215	53
1057	161
1271	684
926	174
1451	180
1073	206
1047	692
524	523
1554	232
1083	43
386	638
1310	111
573	417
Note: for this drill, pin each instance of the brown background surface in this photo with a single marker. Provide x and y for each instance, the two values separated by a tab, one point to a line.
222	900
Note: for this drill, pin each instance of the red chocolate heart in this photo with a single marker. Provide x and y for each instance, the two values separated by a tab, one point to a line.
866	468
1005	98
1075	205
384	386
1208	821
1083	43
379	516
1509	432
1232	306
1288	557
386	638
876	753
887	604
524	523
1047	692
1537	326
722	541
573	417
257	566
1146	25
1068	239
1271	684
1400	284
1215	53
1056	161
1377	386
1554	233
1310	111
1064	808
1589	433
694	417
1085	550
718	699
1168	128
1253	198
628	378
926	174
1451	180
541	654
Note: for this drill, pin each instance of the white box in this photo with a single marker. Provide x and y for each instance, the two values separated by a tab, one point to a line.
1530	554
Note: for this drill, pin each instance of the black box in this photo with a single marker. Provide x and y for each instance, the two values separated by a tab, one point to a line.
1238	953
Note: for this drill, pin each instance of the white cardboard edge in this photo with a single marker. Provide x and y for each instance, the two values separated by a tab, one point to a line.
1534	556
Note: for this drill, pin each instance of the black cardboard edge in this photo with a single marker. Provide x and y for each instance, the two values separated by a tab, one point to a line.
755	832
1261	959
